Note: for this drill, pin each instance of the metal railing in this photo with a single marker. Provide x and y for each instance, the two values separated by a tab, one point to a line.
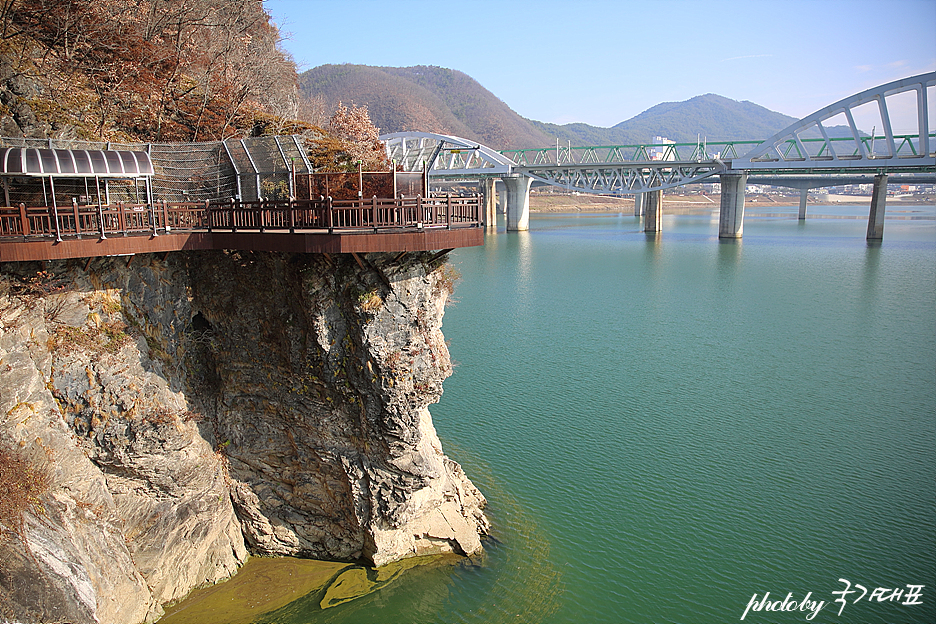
322	215
845	147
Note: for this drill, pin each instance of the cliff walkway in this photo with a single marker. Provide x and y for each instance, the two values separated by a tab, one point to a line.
305	226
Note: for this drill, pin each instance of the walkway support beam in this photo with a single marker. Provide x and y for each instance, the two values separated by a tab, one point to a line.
731	212
878	201
653	216
518	202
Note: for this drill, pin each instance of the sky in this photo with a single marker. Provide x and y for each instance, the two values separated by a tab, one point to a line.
604	61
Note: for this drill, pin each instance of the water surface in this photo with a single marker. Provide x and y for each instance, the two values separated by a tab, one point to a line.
690	422
667	425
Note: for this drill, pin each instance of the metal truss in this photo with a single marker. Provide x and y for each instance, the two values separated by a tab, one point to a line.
444	156
623	179
806	144
617	154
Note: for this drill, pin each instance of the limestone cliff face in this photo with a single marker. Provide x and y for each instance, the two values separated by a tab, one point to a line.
192	409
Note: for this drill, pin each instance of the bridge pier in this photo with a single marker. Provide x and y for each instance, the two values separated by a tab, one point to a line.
731	211
804	192
518	202
639	204
489	200
653	217
878	201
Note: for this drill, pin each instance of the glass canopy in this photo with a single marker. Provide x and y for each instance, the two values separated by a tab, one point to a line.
27	161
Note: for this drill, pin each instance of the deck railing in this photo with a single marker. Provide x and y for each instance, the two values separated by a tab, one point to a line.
325	214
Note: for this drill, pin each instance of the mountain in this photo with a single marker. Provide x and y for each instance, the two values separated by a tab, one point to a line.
710	117
429	99
435	99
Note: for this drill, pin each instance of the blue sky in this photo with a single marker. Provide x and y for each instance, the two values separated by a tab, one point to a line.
603	61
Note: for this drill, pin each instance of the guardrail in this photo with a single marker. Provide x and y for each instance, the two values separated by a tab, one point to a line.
325	214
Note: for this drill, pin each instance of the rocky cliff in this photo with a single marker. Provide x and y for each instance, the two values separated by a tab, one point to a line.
185	411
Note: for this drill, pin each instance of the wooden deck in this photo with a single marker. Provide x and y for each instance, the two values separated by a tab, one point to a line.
302	226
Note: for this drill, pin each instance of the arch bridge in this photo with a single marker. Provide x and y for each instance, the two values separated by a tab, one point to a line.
804	155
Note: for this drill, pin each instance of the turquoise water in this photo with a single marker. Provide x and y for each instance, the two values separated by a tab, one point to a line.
666	426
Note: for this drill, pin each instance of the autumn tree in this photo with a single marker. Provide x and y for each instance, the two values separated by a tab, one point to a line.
349	139
158	70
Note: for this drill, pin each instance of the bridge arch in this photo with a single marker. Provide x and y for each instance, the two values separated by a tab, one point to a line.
793	148
445	156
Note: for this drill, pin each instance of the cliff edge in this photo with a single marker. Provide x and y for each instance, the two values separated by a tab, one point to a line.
182	412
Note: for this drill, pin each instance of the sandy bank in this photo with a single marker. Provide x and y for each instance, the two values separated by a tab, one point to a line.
687	204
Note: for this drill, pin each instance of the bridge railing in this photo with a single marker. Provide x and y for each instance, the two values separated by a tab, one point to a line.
608	154
845	148
364	215
905	146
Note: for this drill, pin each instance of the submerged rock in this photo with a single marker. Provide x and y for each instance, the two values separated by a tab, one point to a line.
193	409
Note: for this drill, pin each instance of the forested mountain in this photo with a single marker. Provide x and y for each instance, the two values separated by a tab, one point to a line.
429	99
434	99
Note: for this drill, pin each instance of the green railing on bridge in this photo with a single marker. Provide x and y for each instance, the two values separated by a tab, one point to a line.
845	148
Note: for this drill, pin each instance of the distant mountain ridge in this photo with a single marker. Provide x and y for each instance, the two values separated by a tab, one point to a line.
446	101
709	116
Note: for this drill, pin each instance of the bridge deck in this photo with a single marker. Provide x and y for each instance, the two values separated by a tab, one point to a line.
327	226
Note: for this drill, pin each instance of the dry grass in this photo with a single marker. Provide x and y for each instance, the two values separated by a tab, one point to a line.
447	276
105	338
370	301
40	284
22	483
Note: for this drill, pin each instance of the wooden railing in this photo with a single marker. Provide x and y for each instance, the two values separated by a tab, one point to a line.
370	215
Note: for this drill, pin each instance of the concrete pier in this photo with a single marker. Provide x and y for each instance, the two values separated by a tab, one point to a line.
489	206
878	201
518	202
731	212
639	204
803	194
653	213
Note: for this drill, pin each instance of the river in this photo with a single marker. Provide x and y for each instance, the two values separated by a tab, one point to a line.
668	427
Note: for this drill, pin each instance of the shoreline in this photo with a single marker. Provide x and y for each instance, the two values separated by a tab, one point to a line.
681	204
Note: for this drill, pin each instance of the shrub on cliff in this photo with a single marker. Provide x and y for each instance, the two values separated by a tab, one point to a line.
22	482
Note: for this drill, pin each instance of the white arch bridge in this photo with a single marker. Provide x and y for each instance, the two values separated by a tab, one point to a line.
804	155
